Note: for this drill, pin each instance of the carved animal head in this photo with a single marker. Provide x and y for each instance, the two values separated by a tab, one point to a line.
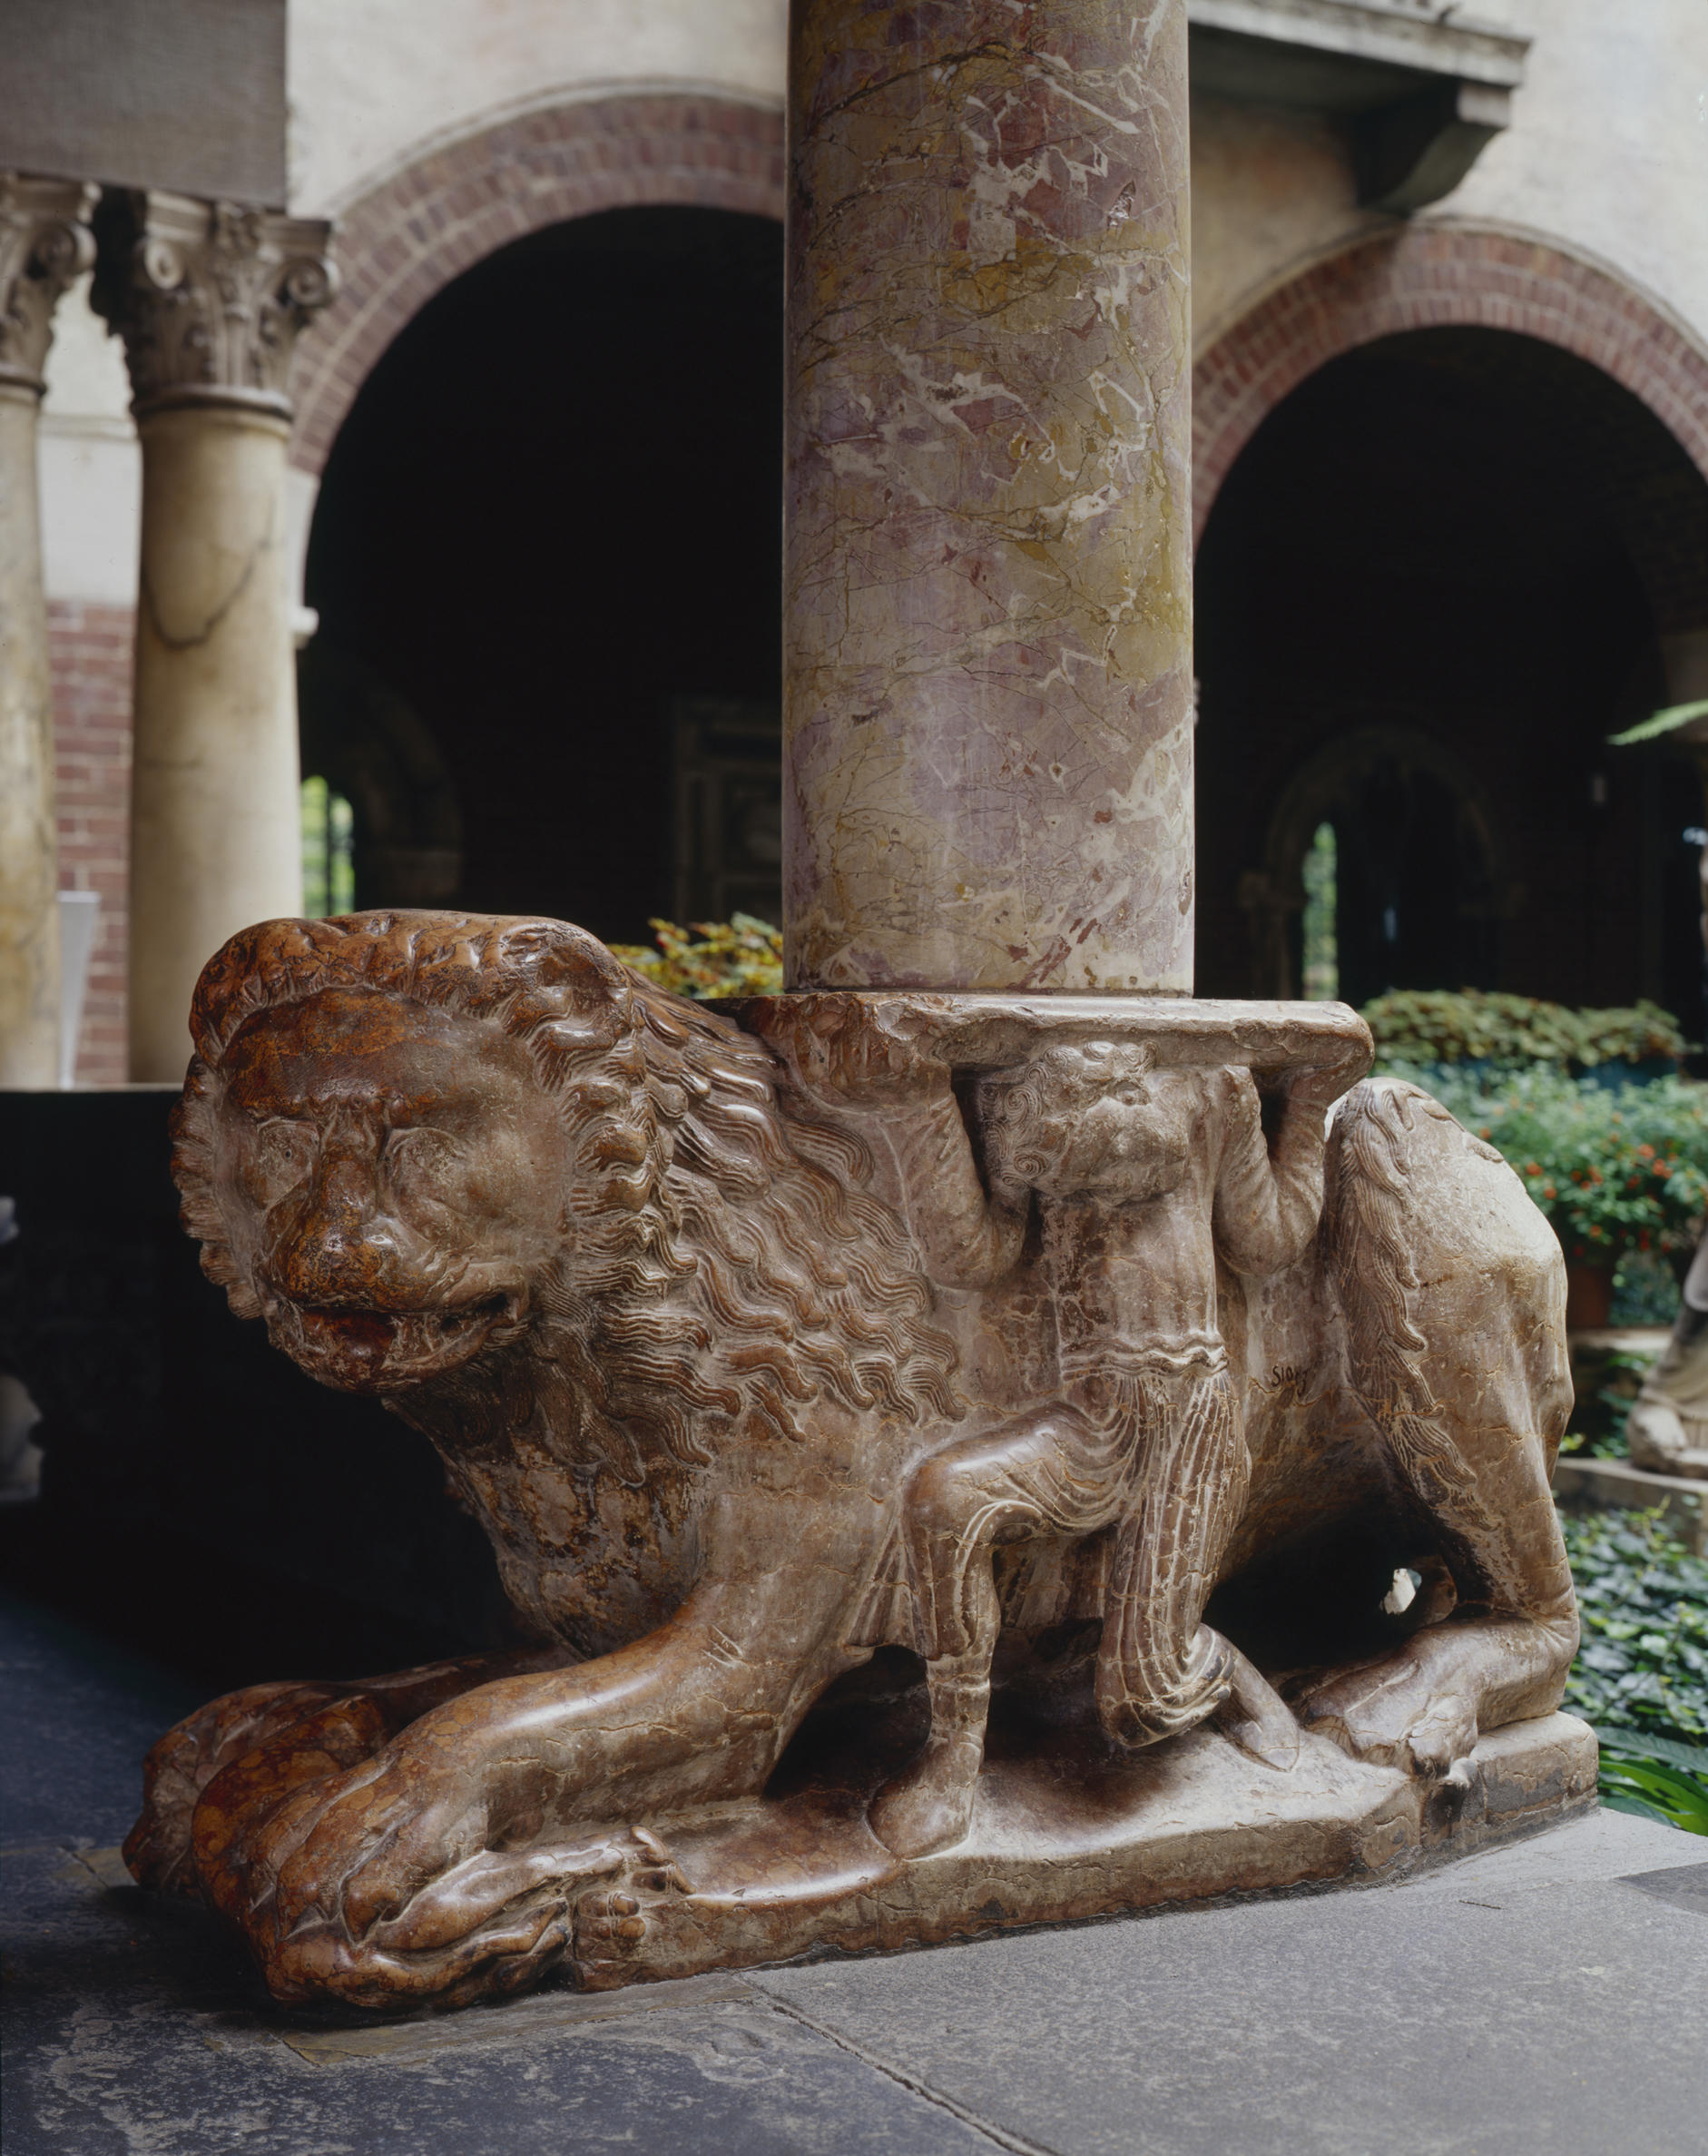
420	1144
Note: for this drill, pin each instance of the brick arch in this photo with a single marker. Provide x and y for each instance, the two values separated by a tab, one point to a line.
410	236
1426	276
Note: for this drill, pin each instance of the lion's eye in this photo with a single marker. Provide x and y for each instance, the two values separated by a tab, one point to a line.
280	1154
419	1155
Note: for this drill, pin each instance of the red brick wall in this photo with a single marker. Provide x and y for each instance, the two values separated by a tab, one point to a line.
1420	276
91	650
406	240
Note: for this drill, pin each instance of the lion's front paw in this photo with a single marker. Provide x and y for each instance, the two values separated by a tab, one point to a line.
423	1957
381	1887
158	1849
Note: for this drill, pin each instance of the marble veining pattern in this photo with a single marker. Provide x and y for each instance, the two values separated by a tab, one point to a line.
867	1396
987	693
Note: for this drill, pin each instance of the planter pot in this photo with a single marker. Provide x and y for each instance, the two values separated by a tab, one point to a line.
1588	1296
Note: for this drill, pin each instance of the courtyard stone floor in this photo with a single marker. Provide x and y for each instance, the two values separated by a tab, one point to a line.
1550	1996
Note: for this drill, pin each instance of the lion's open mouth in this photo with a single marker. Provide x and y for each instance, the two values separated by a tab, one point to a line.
382	1351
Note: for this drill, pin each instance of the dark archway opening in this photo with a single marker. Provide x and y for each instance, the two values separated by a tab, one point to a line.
1467	545
546	559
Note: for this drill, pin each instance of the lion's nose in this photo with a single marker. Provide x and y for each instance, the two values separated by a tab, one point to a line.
342	1250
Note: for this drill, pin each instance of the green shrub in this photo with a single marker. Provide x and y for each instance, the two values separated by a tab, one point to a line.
740	957
1474	1025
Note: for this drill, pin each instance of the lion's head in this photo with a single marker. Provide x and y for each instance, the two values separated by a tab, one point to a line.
414	1142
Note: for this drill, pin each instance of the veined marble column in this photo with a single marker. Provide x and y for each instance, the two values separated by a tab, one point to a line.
988	672
44	243
209	301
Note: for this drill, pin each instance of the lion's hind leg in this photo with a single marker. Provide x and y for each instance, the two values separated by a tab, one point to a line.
1453	1291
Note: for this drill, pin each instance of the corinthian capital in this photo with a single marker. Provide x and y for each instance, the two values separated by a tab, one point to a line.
44	243
210	297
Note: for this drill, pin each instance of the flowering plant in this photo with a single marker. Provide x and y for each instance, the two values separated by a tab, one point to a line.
740	957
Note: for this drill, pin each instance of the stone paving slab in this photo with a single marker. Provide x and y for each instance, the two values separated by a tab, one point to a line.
1525	2000
1547	1995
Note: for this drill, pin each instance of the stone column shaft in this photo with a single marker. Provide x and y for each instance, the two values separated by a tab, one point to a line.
44	243
209	301
987	676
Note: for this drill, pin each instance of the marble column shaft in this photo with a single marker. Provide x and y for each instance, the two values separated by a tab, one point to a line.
44	243
988	697
209	301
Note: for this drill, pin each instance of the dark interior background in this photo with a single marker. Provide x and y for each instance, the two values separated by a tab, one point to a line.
554	508
1474	537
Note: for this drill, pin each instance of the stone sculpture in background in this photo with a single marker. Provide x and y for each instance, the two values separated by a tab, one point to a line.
949	1471
1667	1429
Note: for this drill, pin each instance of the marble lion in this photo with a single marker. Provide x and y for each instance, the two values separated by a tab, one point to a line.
658	1305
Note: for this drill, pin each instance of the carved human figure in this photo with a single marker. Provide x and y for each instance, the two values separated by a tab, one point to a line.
1142	1177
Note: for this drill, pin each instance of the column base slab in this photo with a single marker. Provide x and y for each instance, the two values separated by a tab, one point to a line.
1056	1841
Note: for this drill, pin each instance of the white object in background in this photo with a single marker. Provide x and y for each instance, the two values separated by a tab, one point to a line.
79	917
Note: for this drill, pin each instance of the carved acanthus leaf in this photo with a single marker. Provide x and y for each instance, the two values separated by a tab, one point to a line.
210	298
45	243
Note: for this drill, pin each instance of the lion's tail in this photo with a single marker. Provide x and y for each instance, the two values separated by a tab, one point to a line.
1372	1220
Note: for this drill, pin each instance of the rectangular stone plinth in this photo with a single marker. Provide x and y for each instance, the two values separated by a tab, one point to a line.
1193	1822
1681	1501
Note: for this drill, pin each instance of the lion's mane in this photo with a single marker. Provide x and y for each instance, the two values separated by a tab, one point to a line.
722	1261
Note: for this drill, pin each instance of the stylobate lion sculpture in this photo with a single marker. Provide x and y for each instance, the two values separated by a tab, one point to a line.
887	1412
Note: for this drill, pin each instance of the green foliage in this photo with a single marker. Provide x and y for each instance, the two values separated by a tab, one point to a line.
1320	873
1472	1025
1661	722
1655	1787
1615	1169
1641	1675
740	957
1644	1289
328	843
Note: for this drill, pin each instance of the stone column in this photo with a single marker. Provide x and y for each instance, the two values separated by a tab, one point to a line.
988	674
44	243
209	301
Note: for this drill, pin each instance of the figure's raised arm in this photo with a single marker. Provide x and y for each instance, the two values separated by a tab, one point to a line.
1269	1200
